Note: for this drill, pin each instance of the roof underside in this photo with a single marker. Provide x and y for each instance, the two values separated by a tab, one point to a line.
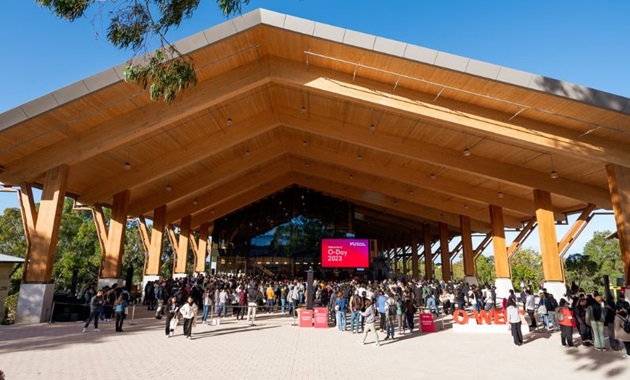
381	126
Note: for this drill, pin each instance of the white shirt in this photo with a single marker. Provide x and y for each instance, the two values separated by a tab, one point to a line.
513	314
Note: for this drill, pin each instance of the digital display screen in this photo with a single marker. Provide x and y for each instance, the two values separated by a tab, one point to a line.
345	253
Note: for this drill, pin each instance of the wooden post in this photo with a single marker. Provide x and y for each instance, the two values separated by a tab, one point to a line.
201	249
44	238
116	237
157	235
413	235
619	185
552	264
503	281
445	253
428	255
467	247
182	247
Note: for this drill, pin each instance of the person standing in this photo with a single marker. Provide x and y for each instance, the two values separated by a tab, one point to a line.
341	307
369	315
595	317
622	335
390	325
253	297
95	306
188	312
530	307
356	304
565	320
410	311
380	305
271	295
514	318
207	304
119	310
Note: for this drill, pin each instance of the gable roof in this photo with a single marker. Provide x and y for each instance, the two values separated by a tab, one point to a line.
379	123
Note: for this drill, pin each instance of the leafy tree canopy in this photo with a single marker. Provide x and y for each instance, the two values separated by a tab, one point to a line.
134	24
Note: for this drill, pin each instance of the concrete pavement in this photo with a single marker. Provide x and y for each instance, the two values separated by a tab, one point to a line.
273	349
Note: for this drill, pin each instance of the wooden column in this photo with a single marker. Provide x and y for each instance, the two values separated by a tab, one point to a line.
200	249
467	247
181	246
619	185
413	235
395	253
112	261
552	264
29	220
501	262
44	237
155	248
428	255
445	253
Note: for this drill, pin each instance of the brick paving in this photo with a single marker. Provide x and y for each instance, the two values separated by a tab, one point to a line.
274	349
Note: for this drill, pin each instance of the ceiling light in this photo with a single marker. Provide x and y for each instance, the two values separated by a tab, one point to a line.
306	164
229	122
195	202
258	172
410	192
553	174
359	157
212	211
168	188
127	165
303	110
433	176
466	207
372	128
351	176
247	153
466	152
500	194
305	143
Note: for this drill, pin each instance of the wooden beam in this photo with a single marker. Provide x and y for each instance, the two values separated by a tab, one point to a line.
29	221
576	230
437	155
521	237
145	239
171	161
201	249
138	123
501	262
372	94
619	185
398	191
483	244
180	245
44	238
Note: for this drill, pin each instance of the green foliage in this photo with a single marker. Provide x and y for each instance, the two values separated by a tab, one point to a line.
526	265
77	249
10	309
13	242
167	78
134	25
605	256
486	272
134	252
580	268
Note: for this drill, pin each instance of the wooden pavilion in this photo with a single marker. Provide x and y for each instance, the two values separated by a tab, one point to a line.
422	145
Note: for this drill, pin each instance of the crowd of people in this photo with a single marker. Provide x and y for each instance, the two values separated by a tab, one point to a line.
389	307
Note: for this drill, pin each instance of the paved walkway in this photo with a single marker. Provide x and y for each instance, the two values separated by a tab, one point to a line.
273	349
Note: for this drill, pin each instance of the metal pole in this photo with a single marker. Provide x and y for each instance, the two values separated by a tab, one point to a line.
133	314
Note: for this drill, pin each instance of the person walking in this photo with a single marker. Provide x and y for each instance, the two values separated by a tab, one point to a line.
253	297
514	318
95	306
369	315
188	312
530	307
172	310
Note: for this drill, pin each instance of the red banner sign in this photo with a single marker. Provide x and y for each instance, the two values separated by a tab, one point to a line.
426	323
321	317
306	318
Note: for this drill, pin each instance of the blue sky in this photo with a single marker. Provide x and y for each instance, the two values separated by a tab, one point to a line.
578	41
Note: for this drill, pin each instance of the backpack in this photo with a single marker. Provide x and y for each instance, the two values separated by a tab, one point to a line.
392	308
559	314
626	325
553	303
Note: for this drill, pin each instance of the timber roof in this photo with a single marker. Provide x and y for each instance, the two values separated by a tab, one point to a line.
284	102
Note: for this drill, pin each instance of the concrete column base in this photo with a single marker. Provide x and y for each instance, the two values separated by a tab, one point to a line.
471	280
35	303
557	288
503	286
179	275
103	282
